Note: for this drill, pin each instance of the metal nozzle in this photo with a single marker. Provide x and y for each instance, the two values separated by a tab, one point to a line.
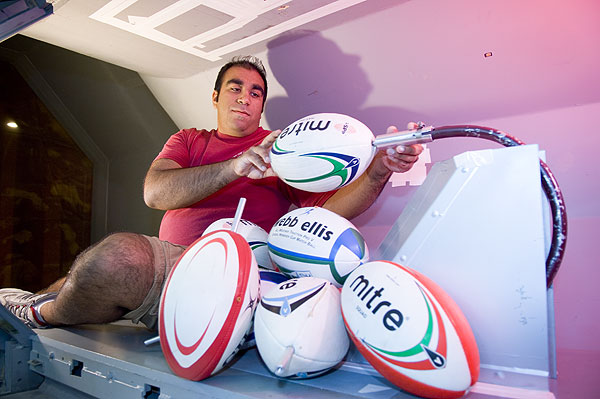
285	361
406	137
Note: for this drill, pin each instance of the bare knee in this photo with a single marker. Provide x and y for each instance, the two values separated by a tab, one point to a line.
114	255
118	271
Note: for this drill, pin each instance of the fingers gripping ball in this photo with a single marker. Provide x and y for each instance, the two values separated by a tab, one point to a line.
316	242
410	330
299	329
255	235
322	152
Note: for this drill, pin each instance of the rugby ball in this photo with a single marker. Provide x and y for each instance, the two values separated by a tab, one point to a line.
299	329
316	242
268	280
322	152
410	330
255	235
207	304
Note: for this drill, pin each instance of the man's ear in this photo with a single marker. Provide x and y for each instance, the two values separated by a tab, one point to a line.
215	97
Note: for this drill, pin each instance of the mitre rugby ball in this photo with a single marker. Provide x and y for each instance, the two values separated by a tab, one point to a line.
322	152
207	304
268	280
316	242
299	329
410	330
255	235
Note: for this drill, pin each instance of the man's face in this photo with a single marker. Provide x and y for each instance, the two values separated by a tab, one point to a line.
240	101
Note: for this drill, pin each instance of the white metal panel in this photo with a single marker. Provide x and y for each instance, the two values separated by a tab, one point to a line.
476	227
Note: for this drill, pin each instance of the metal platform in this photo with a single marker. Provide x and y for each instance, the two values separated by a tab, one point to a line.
111	361
515	339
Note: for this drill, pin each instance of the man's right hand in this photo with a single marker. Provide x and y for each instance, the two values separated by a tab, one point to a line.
255	163
169	186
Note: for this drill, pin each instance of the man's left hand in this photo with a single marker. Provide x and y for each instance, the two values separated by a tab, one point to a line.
401	158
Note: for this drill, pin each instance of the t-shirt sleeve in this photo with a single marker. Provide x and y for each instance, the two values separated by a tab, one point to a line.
176	149
302	198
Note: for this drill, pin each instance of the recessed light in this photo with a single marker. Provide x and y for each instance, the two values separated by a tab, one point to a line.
488	54
12	124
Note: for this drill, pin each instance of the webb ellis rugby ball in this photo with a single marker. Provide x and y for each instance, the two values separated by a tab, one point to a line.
410	330
207	304
299	329
316	242
322	152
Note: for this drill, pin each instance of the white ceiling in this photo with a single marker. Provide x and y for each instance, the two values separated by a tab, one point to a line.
378	60
179	38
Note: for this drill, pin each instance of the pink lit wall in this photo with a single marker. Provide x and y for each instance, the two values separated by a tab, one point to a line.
424	61
568	138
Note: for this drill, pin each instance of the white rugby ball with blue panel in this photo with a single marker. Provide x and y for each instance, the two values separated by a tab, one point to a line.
268	280
255	235
322	152
299	329
315	242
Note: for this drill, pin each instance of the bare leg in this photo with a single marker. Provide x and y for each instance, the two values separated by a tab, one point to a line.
106	281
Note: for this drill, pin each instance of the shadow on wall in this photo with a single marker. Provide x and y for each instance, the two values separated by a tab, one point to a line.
319	77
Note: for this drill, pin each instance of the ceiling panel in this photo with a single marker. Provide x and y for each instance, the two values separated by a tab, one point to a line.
179	38
188	24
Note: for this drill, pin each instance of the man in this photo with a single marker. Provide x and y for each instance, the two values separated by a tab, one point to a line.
198	177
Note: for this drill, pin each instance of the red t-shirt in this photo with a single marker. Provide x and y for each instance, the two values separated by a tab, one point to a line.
267	199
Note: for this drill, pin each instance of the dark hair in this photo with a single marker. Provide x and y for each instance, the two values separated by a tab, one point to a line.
248	62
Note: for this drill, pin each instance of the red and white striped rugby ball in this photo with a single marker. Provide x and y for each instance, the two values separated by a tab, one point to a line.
410	330
322	152
207	304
